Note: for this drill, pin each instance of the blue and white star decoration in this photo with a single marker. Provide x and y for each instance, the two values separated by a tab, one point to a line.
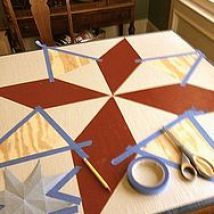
38	194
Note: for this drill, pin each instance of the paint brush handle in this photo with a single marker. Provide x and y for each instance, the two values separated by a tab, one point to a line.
96	173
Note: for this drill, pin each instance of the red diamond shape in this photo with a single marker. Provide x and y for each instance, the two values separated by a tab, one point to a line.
118	63
45	94
108	130
110	135
174	98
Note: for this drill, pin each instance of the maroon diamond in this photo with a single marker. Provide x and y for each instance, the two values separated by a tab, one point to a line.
174	98
118	63
45	94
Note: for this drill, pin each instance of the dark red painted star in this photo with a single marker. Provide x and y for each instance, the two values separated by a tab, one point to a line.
108	130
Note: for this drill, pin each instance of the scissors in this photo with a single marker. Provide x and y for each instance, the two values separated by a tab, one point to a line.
191	165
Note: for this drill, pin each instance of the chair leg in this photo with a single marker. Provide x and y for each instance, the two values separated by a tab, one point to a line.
70	20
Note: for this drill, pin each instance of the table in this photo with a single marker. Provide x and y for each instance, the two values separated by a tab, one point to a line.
115	93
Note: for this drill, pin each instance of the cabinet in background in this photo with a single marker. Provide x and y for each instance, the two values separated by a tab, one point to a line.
85	15
194	21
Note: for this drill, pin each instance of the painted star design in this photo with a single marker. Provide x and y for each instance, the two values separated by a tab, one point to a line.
108	130
30	197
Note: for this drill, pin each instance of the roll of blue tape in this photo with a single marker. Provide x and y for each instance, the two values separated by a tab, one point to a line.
148	175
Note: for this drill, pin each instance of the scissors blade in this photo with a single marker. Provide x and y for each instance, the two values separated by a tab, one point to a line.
172	138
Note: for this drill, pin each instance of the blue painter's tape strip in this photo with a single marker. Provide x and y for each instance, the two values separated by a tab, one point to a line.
165	161
43	154
71	144
131	150
48	63
194	111
47	57
63	134
47	60
54	192
134	149
192	69
85	144
74	53
164	57
201	129
38	43
17	126
190	114
145	153
69	210
35	156
148	189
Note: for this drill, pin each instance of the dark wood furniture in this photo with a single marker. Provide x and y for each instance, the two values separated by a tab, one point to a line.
4	43
85	15
193	20
41	16
159	12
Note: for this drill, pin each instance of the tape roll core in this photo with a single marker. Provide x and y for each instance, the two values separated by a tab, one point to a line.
148	175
